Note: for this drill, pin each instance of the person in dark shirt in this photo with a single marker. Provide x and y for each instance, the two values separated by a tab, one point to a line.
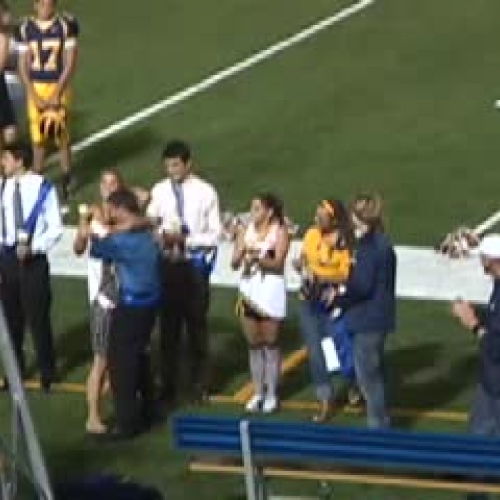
370	304
8	130
484	418
136	258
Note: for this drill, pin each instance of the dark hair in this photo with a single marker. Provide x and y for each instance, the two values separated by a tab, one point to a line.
21	152
123	198
177	149
368	208
341	222
273	203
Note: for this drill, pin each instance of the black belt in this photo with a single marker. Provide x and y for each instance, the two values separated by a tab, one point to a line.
8	249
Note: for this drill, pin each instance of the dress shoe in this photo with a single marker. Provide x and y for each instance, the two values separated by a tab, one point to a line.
200	397
167	397
46	386
116	435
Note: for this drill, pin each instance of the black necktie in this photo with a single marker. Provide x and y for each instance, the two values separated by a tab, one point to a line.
18	209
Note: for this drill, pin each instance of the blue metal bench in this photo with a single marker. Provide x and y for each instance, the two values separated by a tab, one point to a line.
260	448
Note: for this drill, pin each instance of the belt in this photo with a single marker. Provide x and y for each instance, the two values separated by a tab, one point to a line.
139	299
7	249
10	250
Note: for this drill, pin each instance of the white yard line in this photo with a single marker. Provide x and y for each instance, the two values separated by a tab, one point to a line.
220	76
422	273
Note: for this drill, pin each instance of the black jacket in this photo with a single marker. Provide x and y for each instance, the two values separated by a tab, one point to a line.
490	345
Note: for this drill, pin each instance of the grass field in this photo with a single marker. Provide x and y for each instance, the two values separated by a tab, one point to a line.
398	98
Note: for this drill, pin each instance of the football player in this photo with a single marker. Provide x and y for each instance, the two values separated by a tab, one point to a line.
7	120
48	50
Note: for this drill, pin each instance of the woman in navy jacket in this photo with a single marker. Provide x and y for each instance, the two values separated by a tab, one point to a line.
370	304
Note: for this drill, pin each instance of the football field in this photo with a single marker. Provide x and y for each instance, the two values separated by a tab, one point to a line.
391	95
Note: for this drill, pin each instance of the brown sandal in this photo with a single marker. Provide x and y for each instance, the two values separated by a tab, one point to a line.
325	412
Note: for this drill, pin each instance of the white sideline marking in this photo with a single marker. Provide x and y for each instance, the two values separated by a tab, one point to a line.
220	76
422	272
487	224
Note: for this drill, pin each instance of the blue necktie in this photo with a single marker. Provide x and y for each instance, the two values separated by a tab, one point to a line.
179	201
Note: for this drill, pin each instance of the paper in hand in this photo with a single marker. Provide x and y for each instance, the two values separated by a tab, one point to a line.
330	352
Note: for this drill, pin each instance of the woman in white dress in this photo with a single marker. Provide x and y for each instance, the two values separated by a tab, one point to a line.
103	290
102	294
260	251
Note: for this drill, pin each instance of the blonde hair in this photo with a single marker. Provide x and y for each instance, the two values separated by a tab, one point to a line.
368	208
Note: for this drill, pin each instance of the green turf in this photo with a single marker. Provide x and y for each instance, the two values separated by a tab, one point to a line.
431	365
399	98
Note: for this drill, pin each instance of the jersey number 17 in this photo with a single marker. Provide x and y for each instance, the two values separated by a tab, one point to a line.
45	54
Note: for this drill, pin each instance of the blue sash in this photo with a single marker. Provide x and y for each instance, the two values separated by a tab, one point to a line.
342	339
30	223
203	260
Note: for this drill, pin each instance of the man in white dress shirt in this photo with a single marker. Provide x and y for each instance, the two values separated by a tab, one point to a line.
30	225
187	210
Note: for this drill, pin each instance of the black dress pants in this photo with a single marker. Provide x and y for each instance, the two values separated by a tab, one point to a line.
26	297
185	308
129	359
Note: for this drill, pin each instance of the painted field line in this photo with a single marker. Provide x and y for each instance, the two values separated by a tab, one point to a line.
220	76
445	416
290	363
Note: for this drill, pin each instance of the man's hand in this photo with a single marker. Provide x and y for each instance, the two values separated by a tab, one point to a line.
23	251
465	313
329	295
171	239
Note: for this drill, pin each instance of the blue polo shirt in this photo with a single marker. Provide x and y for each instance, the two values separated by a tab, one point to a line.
137	260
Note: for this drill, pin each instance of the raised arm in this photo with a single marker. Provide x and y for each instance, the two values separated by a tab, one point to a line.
238	250
277	262
82	238
4	51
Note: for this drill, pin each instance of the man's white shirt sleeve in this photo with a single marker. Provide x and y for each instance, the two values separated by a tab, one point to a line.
209	235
